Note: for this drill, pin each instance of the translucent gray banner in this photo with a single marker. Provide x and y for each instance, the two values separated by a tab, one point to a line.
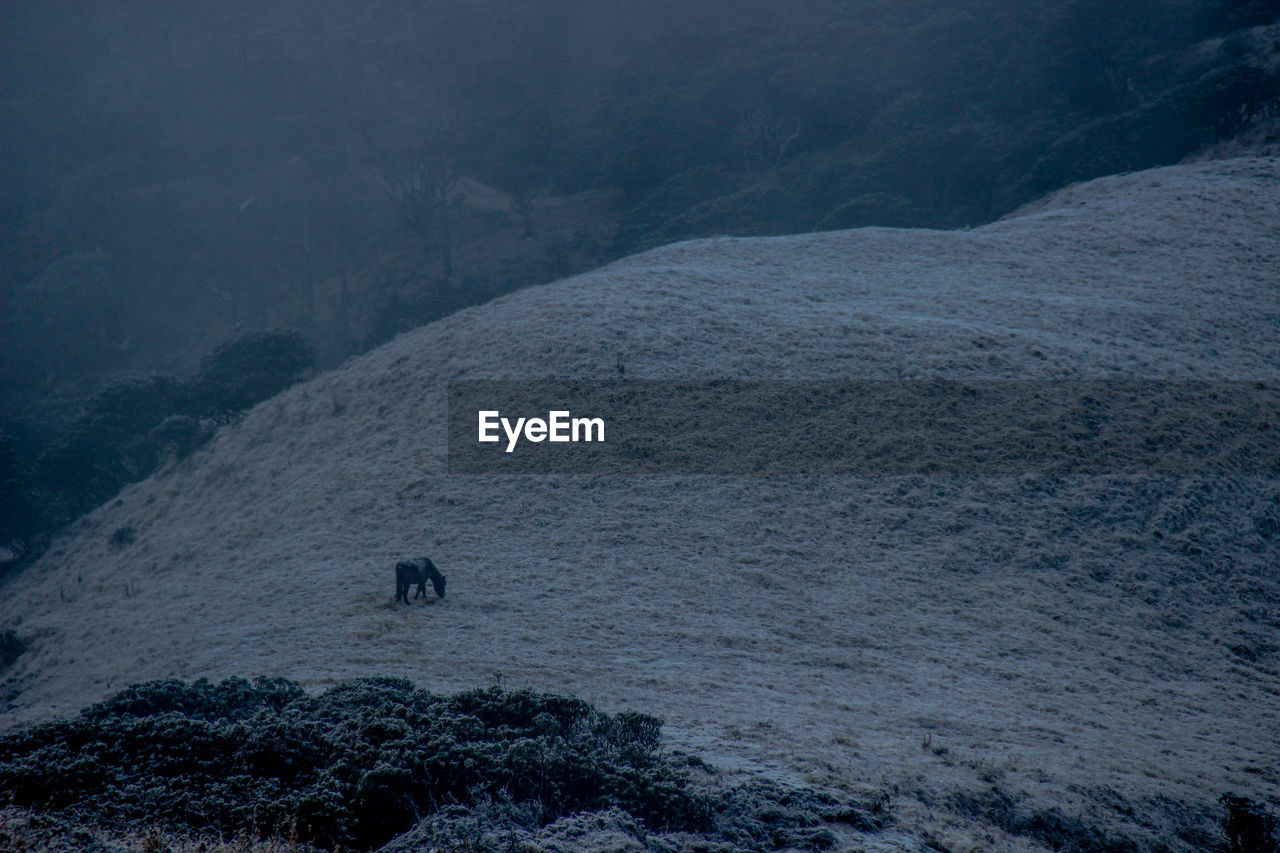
870	428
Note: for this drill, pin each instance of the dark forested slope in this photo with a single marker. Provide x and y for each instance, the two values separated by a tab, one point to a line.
173	172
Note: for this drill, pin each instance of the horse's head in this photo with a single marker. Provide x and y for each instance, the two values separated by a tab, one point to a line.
437	579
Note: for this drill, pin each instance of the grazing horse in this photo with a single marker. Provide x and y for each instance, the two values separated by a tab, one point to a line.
417	571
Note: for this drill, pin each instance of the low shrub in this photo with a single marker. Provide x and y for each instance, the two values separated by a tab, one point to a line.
375	758
122	536
353	767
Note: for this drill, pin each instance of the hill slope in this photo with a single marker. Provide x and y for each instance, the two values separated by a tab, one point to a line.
1101	645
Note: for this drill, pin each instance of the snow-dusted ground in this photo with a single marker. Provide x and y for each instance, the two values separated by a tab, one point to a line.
1102	645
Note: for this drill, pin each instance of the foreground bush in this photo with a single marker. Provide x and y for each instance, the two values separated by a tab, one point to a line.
353	767
374	759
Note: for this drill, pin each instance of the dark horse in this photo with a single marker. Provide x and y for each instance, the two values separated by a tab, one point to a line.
417	571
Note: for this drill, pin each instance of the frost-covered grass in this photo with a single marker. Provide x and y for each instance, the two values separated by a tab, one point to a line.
1102	647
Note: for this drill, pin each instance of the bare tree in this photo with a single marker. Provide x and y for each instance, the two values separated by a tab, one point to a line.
421	188
763	140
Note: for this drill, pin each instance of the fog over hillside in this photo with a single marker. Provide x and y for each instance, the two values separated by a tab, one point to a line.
175	174
1100	647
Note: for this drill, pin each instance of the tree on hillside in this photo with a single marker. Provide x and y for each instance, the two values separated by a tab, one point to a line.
764	140
421	187
248	369
107	446
19	512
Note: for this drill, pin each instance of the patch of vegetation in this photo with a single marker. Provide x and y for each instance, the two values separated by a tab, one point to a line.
122	536
1051	827
1248	826
25	831
371	759
755	816
353	767
248	369
1245	825
20	511
131	426
106	446
11	646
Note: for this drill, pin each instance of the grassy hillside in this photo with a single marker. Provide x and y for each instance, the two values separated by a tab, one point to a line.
1002	654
